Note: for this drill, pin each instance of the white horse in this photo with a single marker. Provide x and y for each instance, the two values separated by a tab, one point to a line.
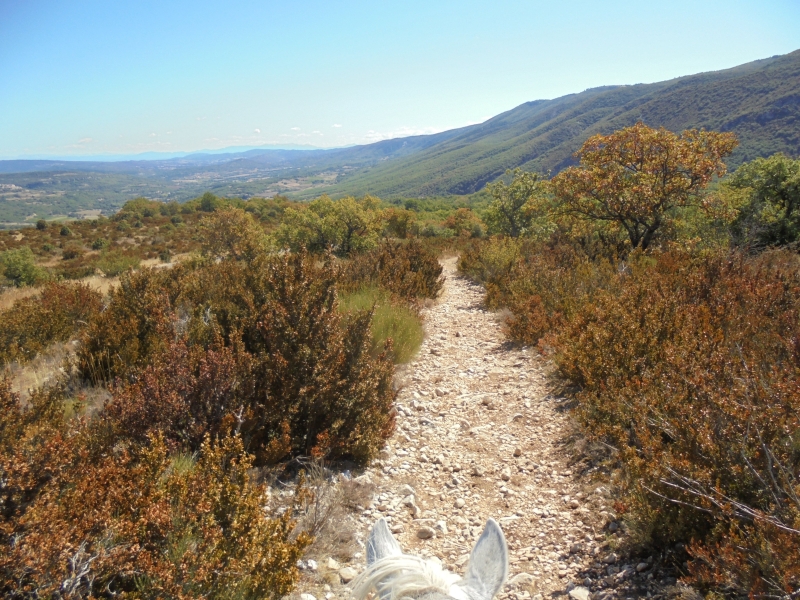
395	575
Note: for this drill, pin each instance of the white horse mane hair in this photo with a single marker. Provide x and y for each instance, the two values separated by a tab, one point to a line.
402	576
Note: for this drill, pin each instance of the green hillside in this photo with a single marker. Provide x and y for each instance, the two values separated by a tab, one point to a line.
759	101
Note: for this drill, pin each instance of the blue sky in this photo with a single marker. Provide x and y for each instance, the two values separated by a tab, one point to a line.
87	78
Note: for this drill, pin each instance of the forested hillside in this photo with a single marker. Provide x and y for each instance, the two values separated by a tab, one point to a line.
758	101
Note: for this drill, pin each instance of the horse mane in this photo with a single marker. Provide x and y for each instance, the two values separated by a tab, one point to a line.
401	576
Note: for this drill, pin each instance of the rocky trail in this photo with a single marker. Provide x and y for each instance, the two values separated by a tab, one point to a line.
479	435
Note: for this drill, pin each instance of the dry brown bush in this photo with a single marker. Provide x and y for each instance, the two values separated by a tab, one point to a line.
56	314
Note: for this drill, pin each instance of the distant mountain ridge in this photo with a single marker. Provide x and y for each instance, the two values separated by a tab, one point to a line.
759	101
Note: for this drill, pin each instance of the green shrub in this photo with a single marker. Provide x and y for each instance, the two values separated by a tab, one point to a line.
56	314
41	224
116	262
100	244
65	231
343	226
19	267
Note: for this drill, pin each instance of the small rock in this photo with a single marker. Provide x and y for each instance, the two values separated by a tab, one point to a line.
613	527
333	565
505	475
477	471
517	452
440	392
580	593
574	503
312	564
397	528
307	597
441	527
347	574
458	334
460	502
521	580
426	533
642	566
407	490
611	558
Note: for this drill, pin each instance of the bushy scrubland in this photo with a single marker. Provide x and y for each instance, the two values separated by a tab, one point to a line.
675	318
237	358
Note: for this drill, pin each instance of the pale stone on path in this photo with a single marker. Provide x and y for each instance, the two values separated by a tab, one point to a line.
580	593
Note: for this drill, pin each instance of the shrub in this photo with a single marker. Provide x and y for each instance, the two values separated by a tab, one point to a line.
19	267
116	262
330	396
100	244
689	368
343	226
408	270
56	314
543	285
262	350
41	224
65	231
72	252
82	520
136	325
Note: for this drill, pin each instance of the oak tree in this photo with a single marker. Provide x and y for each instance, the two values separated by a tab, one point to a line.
639	177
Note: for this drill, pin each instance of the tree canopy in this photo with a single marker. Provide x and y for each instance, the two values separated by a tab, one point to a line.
770	214
636	178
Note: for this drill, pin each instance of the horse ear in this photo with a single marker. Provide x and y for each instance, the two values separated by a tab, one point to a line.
381	543
488	563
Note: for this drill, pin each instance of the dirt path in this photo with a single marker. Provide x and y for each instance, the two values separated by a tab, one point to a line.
479	436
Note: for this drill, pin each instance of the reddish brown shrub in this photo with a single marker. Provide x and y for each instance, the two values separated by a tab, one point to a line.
56	314
543	285
80	518
408	270
266	353
690	368
136	324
